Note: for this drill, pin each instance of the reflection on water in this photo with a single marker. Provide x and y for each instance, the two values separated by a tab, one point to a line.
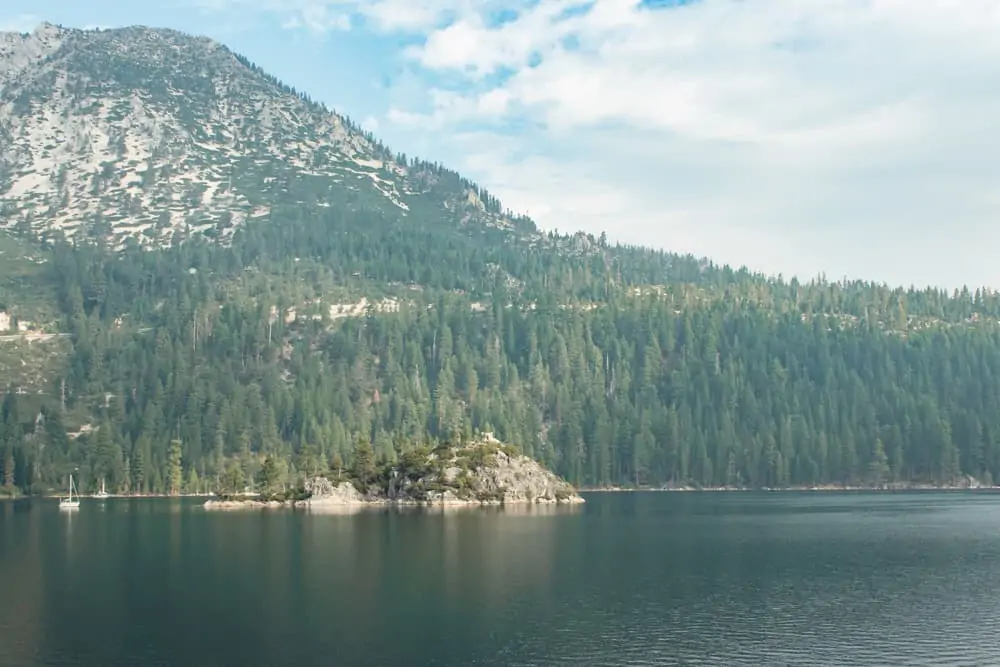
627	579
21	591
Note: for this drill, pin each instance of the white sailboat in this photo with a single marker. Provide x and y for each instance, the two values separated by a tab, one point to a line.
102	493
70	503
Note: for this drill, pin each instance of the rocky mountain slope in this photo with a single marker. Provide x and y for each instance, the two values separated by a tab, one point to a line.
141	133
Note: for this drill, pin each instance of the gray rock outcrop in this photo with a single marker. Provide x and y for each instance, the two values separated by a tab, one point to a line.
324	494
484	472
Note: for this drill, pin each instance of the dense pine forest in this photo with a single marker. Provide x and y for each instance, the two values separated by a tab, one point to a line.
287	289
612	365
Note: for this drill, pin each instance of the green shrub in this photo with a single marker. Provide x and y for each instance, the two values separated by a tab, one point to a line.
510	450
495	495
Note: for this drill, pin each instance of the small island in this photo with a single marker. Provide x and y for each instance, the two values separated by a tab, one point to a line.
481	472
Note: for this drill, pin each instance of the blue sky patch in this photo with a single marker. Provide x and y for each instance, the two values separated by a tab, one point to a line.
667	4
575	10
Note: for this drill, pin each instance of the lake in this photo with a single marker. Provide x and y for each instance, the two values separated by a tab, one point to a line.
627	579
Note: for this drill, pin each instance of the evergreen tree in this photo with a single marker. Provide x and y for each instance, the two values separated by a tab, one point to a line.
8	469
269	476
363	461
176	472
614	365
878	469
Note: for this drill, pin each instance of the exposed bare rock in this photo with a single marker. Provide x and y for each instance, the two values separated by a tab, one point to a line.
136	134
484	472
519	479
20	53
246	503
325	494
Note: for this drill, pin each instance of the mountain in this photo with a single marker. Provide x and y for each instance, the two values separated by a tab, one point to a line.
137	134
202	271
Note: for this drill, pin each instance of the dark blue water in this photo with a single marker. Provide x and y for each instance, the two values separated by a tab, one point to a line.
628	579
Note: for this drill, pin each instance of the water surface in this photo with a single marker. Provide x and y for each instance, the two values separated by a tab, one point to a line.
627	579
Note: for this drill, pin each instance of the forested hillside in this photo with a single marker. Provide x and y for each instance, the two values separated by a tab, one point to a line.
614	366
290	305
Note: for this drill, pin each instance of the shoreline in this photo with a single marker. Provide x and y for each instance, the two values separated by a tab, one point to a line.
824	488
322	504
478	474
127	496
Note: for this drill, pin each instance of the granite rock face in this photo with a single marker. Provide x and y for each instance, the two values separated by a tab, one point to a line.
324	493
520	479
484	472
157	132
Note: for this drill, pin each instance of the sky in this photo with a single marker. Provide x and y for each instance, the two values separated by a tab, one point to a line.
848	138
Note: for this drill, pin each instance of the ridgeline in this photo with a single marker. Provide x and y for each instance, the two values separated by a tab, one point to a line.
294	308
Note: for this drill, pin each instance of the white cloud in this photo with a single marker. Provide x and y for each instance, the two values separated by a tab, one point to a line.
316	16
386	15
843	136
797	136
317	20
411	15
472	45
21	23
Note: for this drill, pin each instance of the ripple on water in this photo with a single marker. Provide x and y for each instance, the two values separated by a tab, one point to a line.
913	593
632	580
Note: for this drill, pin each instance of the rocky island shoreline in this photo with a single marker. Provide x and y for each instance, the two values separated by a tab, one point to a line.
481	473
